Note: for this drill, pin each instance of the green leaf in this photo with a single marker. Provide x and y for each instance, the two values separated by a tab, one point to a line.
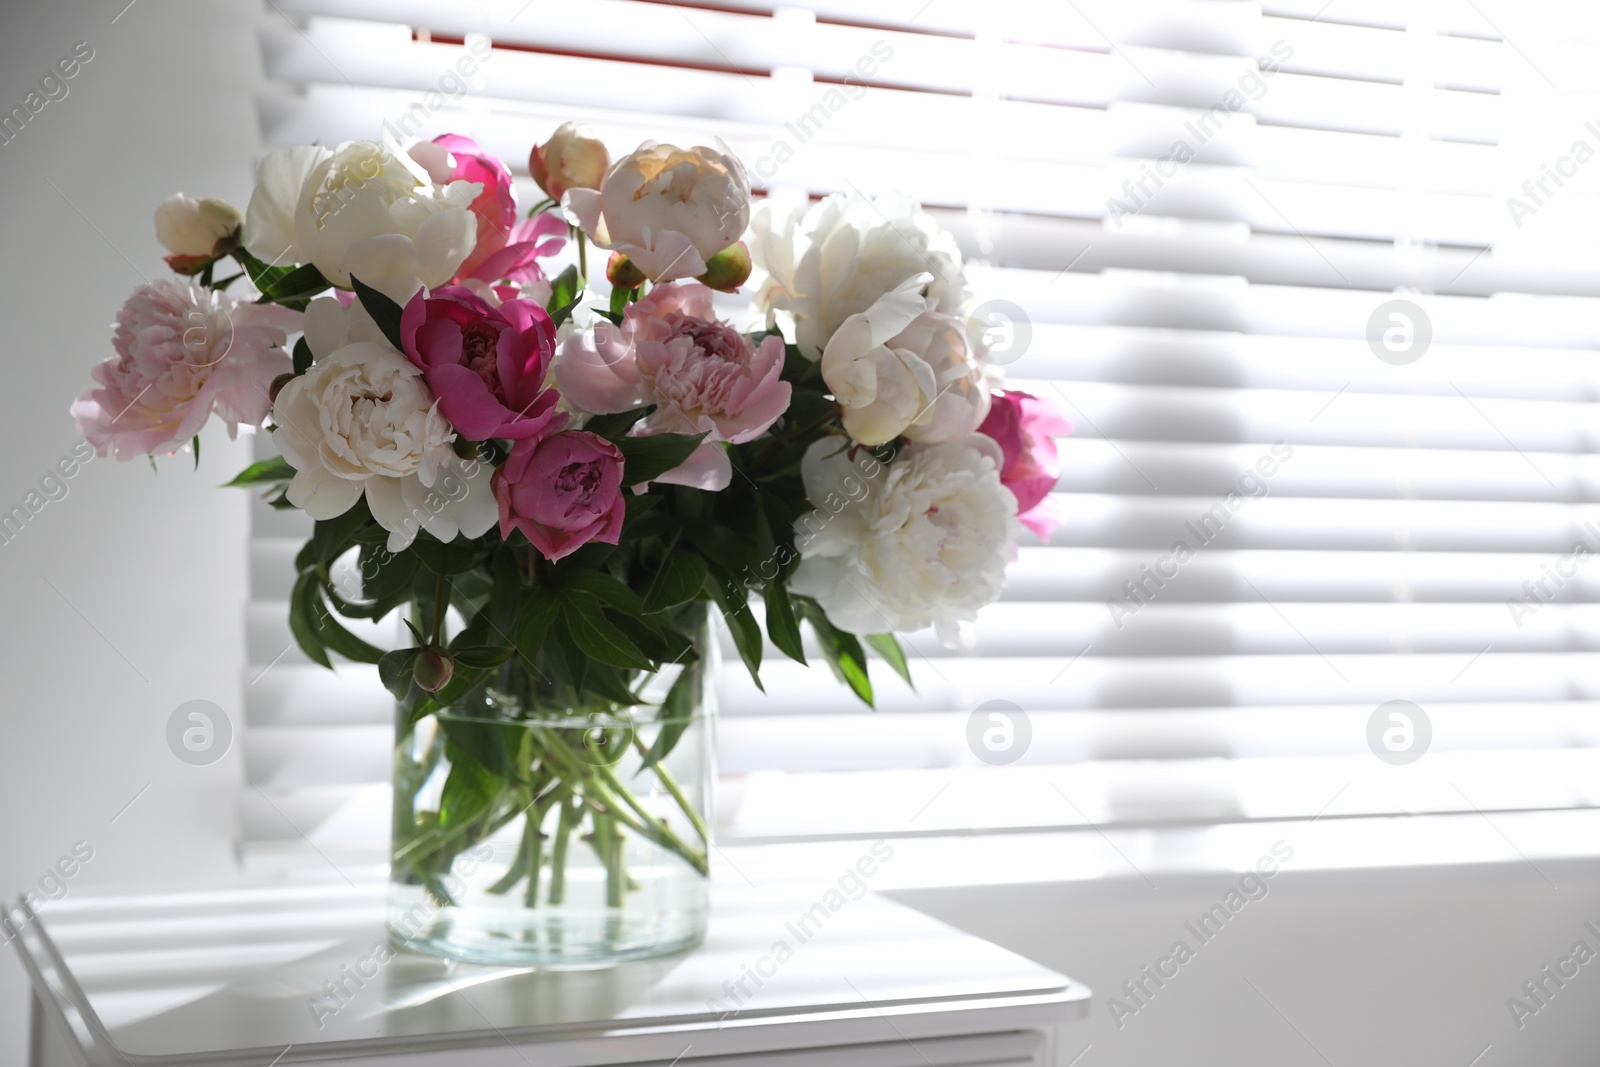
385	312
677	712
302	356
565	289
782	626
504	597
680	579
842	650
566	661
468	791
304	603
608	684
808	409
888	646
602	585
394	670
534	617
290	286
336	638
742	624
615	427
386	579
470	590
276	469
659	644
483	656
621	298
640	505
595	636
564	312
331	538
457	557
648	458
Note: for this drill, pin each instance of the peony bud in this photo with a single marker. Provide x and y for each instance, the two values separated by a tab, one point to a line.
573	158
196	231
432	670
277	384
728	269
621	272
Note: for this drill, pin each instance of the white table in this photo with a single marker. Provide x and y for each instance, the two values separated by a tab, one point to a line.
237	976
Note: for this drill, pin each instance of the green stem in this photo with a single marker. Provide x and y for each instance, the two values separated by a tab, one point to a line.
671	785
439	605
514	872
605	844
603	782
651	827
558	854
583	260
533	843
440	839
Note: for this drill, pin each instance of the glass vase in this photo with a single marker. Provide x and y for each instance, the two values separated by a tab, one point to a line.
536	825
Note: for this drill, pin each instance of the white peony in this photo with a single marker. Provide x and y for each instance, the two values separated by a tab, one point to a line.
363	420
901	367
365	209
668	209
459	500
845	254
921	541
269	231
189	227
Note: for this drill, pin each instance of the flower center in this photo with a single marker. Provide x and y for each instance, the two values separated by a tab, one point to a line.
359	167
581	480
479	344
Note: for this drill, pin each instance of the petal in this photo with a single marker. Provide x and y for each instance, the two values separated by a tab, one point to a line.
386	499
466	401
707	467
322	494
598	372
672	255
583	208
443	241
269	229
380	262
325	325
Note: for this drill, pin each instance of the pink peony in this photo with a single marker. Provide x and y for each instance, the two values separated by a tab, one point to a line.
702	375
486	364
182	352
562	491
1023	425
506	248
530	240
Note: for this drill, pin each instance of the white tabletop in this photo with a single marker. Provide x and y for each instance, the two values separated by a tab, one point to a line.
240	975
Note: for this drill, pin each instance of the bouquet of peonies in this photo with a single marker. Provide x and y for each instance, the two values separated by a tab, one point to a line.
551	484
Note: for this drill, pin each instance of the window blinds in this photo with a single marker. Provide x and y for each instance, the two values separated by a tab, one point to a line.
1201	214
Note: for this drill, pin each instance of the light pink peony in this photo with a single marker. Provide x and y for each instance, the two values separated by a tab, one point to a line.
1024	427
562	492
487	364
183	351
702	375
667	209
506	247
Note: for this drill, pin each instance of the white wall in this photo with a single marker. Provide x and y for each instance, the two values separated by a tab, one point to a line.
155	564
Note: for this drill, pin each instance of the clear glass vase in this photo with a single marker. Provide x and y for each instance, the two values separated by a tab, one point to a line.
543	827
